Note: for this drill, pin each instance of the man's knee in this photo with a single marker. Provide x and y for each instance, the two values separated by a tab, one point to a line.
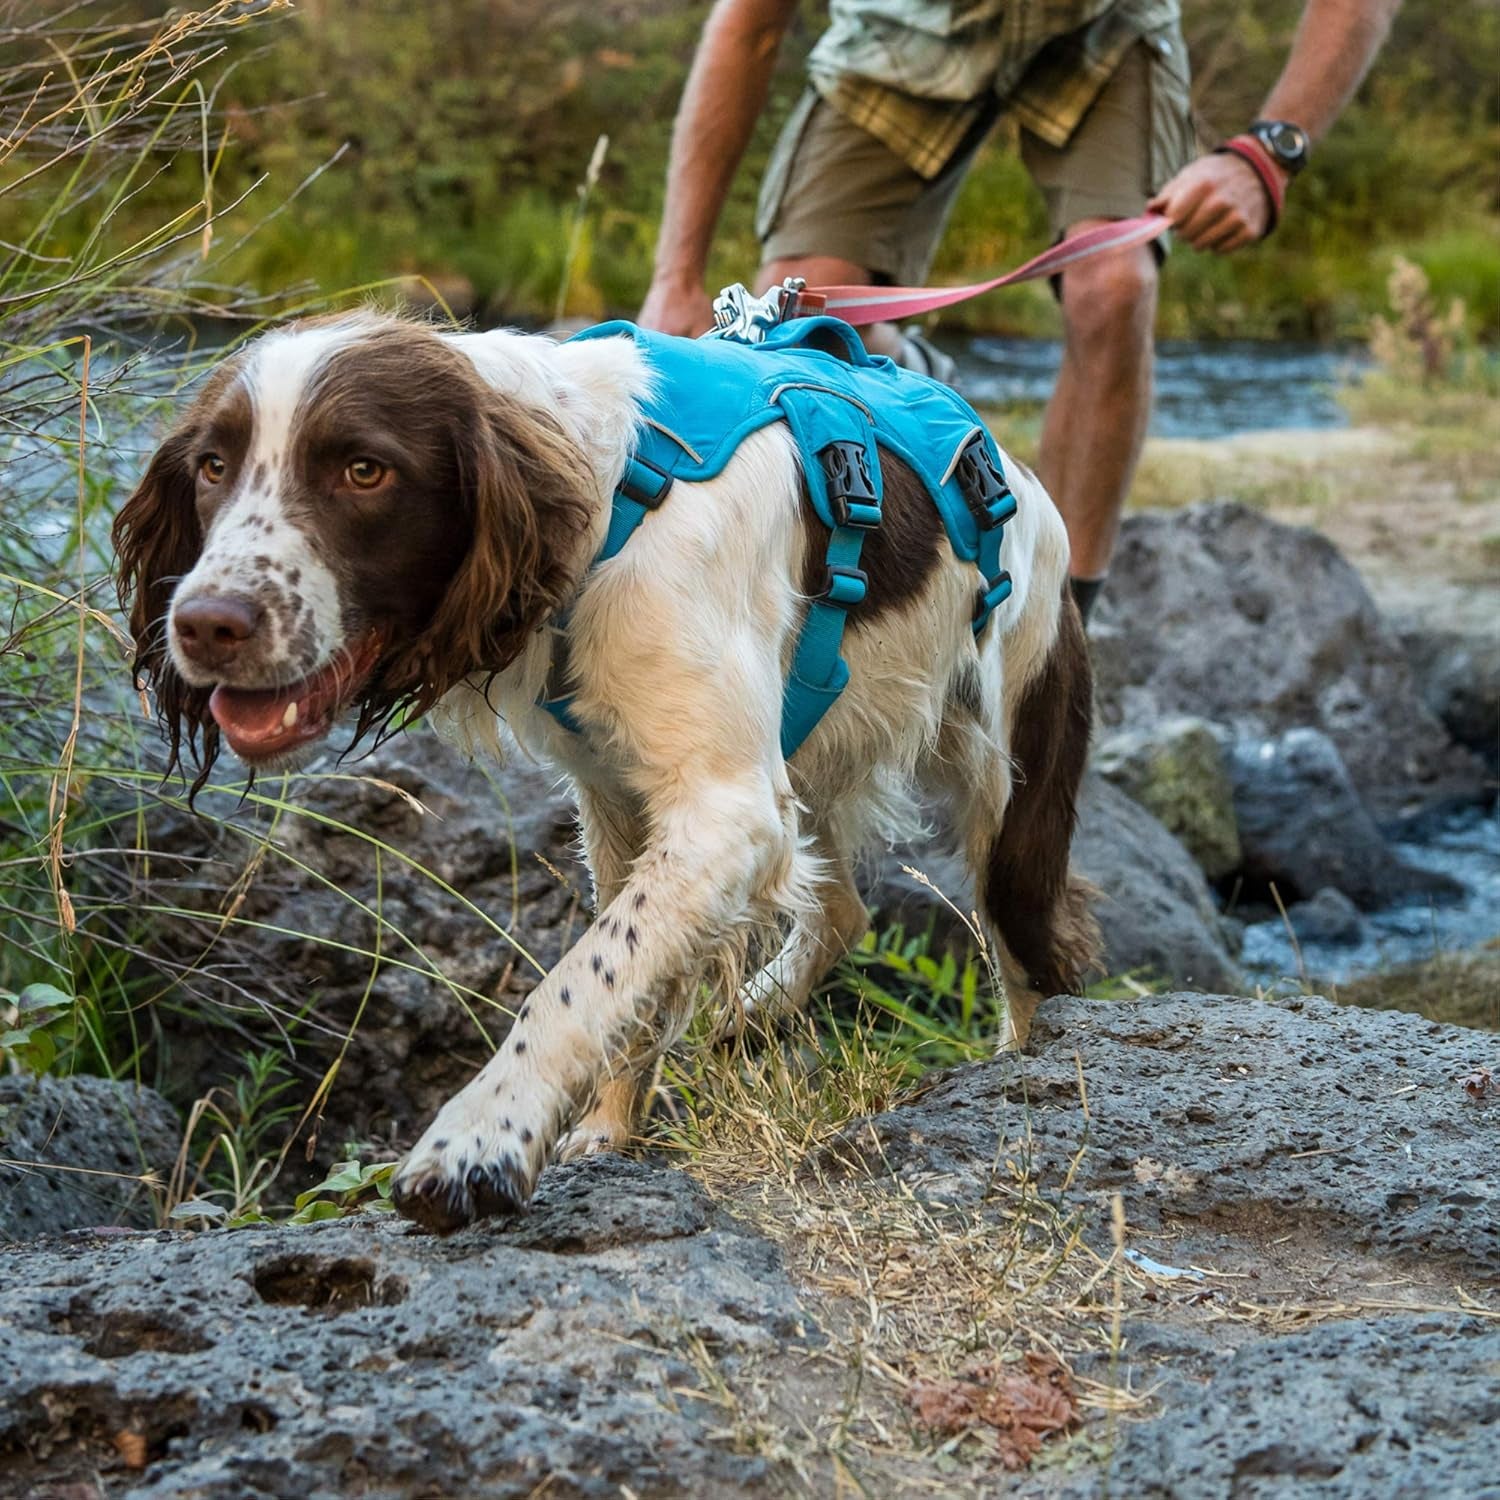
1111	298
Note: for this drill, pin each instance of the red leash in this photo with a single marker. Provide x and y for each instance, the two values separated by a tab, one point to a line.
860	305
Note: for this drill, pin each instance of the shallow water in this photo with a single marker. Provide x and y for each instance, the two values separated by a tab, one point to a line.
1204	388
1466	846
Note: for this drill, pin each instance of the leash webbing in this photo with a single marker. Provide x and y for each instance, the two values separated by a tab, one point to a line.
861	305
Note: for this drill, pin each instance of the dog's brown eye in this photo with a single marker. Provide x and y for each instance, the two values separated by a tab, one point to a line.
365	473
212	468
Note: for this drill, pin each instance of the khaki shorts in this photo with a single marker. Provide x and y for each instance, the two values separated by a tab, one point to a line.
833	189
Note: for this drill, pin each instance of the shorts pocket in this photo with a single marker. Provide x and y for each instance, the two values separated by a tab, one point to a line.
1174	141
778	172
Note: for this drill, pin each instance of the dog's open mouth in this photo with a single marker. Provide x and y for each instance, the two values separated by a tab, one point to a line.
266	723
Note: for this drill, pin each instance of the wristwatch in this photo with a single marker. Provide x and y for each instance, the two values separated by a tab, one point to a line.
1287	143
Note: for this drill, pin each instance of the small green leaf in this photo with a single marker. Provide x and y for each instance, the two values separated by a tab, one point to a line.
344	1178
39	1053
42	997
315	1213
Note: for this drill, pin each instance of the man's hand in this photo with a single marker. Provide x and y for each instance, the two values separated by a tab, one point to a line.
677	306
1216	203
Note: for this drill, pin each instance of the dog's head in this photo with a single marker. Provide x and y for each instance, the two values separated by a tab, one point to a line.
347	518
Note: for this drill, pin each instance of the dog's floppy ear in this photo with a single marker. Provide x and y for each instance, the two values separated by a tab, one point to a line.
524	488
157	539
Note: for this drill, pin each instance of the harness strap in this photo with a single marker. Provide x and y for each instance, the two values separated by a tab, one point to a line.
643	486
844	486
988	496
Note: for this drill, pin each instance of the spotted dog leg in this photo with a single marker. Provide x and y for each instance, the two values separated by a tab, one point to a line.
713	852
613	835
610	1120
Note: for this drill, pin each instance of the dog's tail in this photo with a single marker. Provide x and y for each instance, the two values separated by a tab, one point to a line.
1039	908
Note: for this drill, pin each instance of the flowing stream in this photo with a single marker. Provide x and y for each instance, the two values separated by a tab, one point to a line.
1204	388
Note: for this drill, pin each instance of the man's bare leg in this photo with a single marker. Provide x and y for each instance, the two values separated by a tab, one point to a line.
1096	420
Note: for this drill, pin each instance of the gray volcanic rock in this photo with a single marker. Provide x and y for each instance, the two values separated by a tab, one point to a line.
1327	916
552	1355
1458	674
1398	1409
1303	825
1154	905
107	1133
1218	611
1206	1108
1176	770
470	851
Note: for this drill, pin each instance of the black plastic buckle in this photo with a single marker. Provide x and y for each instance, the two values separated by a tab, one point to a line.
852	500
990	596
632	490
845	587
982	484
847	513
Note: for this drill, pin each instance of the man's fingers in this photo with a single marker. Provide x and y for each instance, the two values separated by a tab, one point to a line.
1216	203
1231	237
1206	221
1178	203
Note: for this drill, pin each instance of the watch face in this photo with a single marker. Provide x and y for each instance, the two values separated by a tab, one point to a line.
1287	142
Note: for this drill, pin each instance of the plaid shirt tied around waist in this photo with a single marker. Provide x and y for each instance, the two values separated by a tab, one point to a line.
918	74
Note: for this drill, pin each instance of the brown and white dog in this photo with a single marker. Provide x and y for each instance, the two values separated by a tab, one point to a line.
360	517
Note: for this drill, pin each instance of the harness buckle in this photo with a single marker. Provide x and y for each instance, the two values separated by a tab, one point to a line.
644	483
845	587
851	491
983	485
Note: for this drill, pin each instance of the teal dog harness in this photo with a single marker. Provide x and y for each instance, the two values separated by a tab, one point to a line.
843	407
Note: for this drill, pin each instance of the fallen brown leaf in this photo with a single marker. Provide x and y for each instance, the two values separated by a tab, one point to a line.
1022	1408
1479	1083
131	1446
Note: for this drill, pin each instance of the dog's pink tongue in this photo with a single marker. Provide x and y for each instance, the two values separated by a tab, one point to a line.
262	722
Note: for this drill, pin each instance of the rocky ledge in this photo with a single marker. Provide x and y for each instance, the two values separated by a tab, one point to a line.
1310	1305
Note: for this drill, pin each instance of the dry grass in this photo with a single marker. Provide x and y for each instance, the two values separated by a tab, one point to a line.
1459	989
902	1285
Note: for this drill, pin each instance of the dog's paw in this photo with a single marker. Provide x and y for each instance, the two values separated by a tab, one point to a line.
445	1194
468	1166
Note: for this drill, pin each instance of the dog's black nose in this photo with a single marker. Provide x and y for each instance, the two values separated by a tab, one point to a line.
210	630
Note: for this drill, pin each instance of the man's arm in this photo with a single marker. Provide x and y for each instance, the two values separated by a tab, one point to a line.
1218	202
726	90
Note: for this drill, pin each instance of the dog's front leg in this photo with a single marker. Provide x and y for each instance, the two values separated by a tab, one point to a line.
711	854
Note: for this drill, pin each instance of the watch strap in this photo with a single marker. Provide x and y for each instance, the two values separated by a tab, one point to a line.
1250	151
